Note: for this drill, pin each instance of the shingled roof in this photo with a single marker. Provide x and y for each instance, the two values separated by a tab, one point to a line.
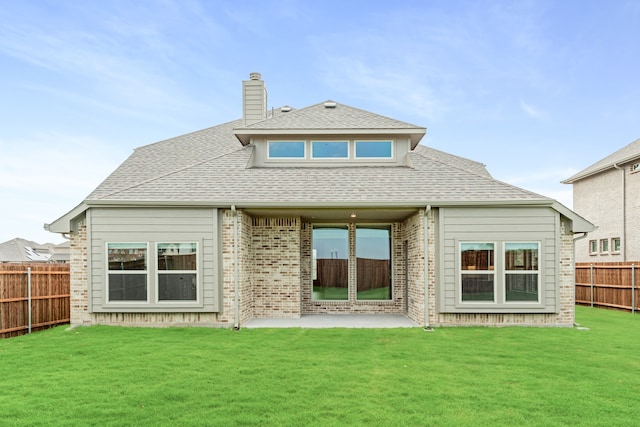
624	155
211	166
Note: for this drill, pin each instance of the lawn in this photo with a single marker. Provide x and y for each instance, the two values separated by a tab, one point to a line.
295	377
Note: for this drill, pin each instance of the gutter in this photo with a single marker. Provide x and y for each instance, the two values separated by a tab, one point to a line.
236	271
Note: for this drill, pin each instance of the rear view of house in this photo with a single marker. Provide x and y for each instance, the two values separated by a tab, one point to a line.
326	209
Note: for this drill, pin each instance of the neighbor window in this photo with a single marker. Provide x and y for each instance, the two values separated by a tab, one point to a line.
521	272
593	247
330	263
477	271
127	271
604	245
330	149
286	149
373	262
177	271
374	149
615	243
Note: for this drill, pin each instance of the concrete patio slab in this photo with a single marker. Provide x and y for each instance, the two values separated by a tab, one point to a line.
336	321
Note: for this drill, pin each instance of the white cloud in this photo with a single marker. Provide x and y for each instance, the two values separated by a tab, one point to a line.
532	111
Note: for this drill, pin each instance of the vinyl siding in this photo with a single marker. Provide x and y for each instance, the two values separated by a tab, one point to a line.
499	225
153	225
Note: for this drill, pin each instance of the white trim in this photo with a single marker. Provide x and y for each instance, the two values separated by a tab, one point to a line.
197	272
527	272
144	272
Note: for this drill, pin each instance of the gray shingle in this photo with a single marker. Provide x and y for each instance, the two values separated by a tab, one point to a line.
211	166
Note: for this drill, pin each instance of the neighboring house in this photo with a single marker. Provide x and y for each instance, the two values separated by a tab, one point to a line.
325	209
22	250
607	193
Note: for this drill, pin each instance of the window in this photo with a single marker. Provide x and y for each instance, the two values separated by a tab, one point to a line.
286	150
127	271
374	149
330	263
615	243
593	247
373	261
330	149
521	272
177	272
604	245
477	271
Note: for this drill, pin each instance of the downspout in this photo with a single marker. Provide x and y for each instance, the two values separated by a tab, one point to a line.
236	271
624	213
427	209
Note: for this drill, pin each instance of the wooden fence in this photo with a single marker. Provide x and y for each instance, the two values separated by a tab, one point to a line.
609	284
49	296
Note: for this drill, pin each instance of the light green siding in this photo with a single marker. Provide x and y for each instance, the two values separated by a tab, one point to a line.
498	225
153	225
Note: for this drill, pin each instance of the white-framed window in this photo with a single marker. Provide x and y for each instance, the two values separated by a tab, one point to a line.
615	245
593	247
521	272
373	149
477	272
329	149
127	272
177	271
604	246
499	273
286	149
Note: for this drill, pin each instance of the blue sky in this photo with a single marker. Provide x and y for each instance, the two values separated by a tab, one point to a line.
536	90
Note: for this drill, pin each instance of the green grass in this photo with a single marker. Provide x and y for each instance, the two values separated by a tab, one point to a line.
342	294
324	377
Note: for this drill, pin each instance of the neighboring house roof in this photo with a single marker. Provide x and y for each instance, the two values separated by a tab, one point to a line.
210	167
21	250
624	155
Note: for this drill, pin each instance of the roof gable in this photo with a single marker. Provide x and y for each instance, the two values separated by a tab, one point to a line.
329	117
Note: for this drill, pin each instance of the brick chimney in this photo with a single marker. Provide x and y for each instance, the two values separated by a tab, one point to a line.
254	99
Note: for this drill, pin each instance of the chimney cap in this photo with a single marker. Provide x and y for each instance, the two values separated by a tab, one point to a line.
255	76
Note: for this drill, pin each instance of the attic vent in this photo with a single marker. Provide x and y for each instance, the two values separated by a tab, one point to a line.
285	109
330	104
635	167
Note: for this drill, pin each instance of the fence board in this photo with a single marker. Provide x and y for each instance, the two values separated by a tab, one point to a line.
608	285
50	288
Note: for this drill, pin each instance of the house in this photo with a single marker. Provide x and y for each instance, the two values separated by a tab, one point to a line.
325	209
27	251
607	193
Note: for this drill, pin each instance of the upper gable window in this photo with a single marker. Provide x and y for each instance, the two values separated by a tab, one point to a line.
330	149
374	150
286	150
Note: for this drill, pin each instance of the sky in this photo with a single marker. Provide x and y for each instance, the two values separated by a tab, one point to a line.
535	90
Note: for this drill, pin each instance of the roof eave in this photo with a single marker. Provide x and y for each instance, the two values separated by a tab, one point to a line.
583	174
62	225
414	134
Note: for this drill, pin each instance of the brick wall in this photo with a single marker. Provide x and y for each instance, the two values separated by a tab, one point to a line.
276	267
599	200
79	279
413	234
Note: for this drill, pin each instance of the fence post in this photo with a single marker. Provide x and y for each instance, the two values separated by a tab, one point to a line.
633	288
591	282
29	297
